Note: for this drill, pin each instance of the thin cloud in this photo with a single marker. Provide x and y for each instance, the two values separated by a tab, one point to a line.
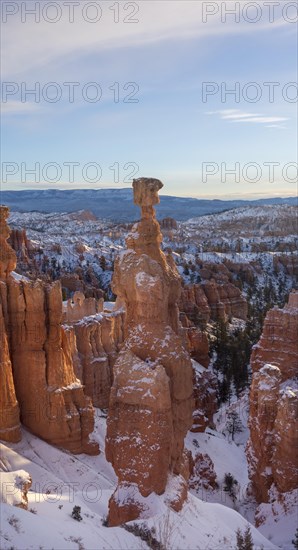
236	115
31	46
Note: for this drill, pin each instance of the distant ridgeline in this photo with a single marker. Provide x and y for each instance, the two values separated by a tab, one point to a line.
117	204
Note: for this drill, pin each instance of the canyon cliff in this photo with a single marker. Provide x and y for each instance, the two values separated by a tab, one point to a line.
273	418
212	299
151	400
37	373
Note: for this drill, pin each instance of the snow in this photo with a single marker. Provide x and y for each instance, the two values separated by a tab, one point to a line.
12	486
109	306
18	277
61	481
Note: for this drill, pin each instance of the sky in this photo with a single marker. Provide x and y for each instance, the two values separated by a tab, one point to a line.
96	93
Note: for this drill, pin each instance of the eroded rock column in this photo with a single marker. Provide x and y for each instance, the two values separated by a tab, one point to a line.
9	408
273	420
36	367
151	398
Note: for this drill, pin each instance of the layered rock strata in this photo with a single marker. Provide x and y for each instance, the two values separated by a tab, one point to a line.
51	398
273	419
79	306
211	299
96	343
9	407
151	398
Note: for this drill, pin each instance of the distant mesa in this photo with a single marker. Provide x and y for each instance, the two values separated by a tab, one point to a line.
117	204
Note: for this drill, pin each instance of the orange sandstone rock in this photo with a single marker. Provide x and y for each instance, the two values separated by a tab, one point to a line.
8	259
273	418
9	408
36	364
151	400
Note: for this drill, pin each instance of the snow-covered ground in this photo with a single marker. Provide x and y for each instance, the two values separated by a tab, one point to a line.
61	481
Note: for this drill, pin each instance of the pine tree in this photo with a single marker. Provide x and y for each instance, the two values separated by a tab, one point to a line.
244	540
230	484
76	513
239	539
248	542
234	424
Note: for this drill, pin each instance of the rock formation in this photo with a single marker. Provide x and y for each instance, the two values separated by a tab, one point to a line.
278	343
214	300
21	245
168	224
79	307
205	398
198	345
76	282
273	418
51	398
14	488
8	259
194	304
151	398
97	341
9	408
203	474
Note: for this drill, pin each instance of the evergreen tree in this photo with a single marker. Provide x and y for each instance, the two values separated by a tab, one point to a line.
234	424
230	483
244	540
76	513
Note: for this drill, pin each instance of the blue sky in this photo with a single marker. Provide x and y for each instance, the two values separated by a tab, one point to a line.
171	133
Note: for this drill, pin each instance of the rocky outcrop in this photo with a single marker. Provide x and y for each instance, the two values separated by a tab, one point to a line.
21	245
235	304
278	343
151	398
52	401
79	307
198	345
203	474
216	271
8	259
273	417
97	341
205	398
194	303
9	407
51	398
168	224
214	300
225	301
77	282
289	262
14	488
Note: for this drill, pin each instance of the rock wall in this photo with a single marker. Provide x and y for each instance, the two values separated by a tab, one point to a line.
96	344
273	419
205	398
21	245
278	343
9	407
212	300
151	399
79	306
51	398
